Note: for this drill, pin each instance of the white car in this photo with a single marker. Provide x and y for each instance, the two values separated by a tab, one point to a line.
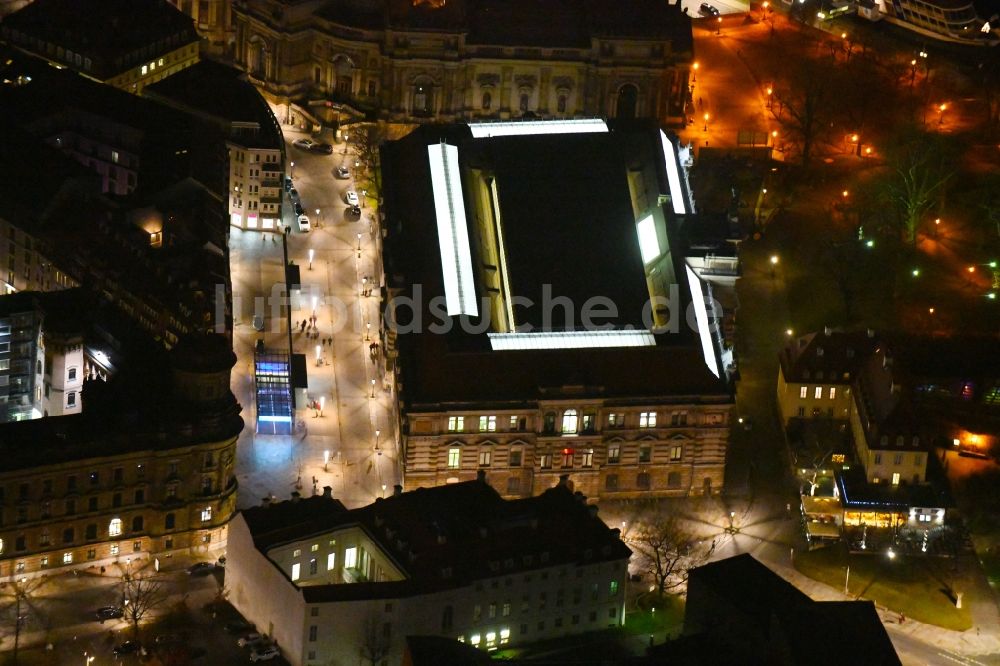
253	639
352	197
265	653
304	144
304	223
343	172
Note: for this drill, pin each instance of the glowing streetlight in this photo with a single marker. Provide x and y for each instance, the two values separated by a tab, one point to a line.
845	194
971	269
891	553
941	110
377	449
368	331
789	332
383	490
319	354
694	78
915	272
869	243
718	26
315	301
322	404
705	117
770	91
359	246
312	253
774	138
373	389
291	171
326	459
774	264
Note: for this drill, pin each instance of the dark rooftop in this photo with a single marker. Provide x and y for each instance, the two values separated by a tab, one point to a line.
451	534
578	236
223	94
856	492
112	33
827	357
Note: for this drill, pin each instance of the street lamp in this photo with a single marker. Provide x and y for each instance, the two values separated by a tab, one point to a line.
770	90
891	553
319	354
383	490
322	404
326	459
359	246
774	264
377	449
364	197
87	660
941	109
705	128
774	137
913	71
368	331
718	26
311	255
373	389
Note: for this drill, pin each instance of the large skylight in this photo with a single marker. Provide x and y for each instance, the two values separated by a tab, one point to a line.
673	174
570	340
453	231
649	244
526	127
701	317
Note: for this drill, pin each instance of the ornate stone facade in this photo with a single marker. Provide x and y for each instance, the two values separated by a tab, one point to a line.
468	59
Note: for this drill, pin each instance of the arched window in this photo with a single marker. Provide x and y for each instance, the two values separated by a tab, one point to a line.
525	98
137	524
561	104
423	104
115	527
628	96
550	422
569	422
487	101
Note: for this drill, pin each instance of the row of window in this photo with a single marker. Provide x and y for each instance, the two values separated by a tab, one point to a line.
568	458
897	459
93	478
505	608
817	392
115	529
491	639
571	421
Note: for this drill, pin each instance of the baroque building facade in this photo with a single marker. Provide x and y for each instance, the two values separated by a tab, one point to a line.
124	479
421	61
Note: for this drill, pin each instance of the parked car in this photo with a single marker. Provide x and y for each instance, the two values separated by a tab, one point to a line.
304	144
288	183
355	211
304	223
128	647
352	197
297	207
221	562
201	569
293	194
321	147
238	627
343	172
708	10
249	640
109	613
265	653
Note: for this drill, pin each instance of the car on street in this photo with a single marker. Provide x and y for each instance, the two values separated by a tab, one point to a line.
304	223
201	569
293	194
128	647
351	197
708	10
221	562
297	207
343	172
288	183
265	653
250	640
109	613
238	627
258	322
321	147
355	211
304	144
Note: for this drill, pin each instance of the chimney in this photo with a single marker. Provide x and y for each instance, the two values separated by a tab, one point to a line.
397	490
481	475
328	492
295	496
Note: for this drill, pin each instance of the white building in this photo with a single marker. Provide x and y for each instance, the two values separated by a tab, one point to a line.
338	586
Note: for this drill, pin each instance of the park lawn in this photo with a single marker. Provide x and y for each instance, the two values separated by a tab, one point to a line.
669	615
904	585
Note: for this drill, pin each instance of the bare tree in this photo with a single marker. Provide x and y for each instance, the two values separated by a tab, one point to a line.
18	595
919	170
368	139
375	643
667	550
141	594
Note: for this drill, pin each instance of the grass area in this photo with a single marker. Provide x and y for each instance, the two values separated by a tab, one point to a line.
912	586
656	614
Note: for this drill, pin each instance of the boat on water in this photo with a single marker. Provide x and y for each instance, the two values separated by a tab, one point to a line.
952	21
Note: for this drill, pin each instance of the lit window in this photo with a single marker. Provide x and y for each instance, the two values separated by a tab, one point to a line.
895	478
513	423
67	558
614	453
569	422
454	458
675	453
487	424
296	552
206	514
160	62
114	156
351	558
491	639
647	420
313	548
504	636
645	453
145	69
71	399
296	568
613	589
588	458
485	457
803	391
474	639
114	549
456	423
616	420
833	393
818	393
115	527
331	561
